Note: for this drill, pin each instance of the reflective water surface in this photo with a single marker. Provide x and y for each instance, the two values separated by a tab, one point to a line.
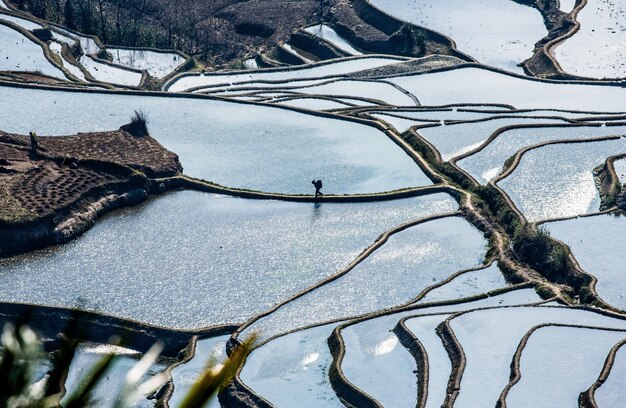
236	145
190	259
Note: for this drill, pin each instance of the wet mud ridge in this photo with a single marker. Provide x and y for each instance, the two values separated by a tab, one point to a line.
54	192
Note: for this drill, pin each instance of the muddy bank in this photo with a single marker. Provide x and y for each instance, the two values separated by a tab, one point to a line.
561	26
373	30
416	66
612	192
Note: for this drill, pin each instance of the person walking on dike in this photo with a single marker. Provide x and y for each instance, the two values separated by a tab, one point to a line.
34	141
318	186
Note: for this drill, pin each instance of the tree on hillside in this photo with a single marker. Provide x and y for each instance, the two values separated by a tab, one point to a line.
39	9
103	24
68	13
321	11
86	16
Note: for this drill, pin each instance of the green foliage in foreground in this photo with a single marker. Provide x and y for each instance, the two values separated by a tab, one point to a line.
22	353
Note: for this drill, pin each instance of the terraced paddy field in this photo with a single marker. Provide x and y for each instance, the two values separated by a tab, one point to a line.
350	157
188	82
598	246
548	195
484	29
20	53
588	344
466	250
596	50
604	394
244	255
483	86
158	64
485	164
185	375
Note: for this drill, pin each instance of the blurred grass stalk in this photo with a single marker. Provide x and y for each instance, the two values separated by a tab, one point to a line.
22	353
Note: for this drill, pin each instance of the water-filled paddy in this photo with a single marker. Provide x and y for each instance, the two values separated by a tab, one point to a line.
240	87
236	145
468	284
403	120
292	370
490	337
400	124
567	5
597	49
57	48
557	180
207	351
22	22
88	45
372	90
612	393
158	64
108	73
488	163
449	114
457	139
599	247
191	259
440	366
328	34
575	356
313	103
477	85
107	391
337	68
297	53
18	53
394	274
250	63
497	33
620	169
374	353
62	38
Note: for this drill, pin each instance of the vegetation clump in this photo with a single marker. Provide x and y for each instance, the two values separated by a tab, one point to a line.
408	40
104	55
498	206
538	250
43	34
138	125
532	246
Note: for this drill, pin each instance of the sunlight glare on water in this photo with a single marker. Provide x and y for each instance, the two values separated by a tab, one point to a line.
190	259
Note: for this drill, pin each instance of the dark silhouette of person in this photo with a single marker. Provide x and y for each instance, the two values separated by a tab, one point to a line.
34	141
318	186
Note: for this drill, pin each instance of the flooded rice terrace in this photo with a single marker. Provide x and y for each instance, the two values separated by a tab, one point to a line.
386	203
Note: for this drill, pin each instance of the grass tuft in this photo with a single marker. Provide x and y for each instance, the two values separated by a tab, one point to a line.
138	125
